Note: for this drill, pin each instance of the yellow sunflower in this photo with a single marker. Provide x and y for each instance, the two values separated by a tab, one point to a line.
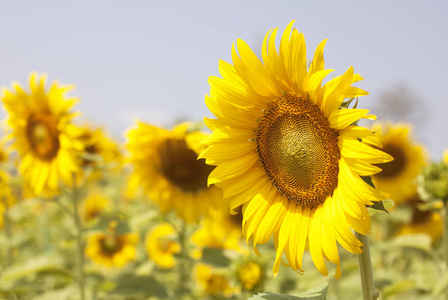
112	250
213	282
221	230
166	166
397	177
102	149
445	156
43	135
288	149
3	153
94	205
250	275
161	245
427	222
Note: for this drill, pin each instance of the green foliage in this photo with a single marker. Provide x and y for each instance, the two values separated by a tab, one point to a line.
131	285
215	257
316	293
433	181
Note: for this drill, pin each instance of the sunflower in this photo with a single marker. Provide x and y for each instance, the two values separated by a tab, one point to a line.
110	249
100	149
214	282
445	156
94	205
221	230
397	177
427	222
166	166
288	149
3	153
43	135
161	246
250	275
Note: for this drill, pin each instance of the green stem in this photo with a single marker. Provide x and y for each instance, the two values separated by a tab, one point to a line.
183	271
7	226
79	242
366	270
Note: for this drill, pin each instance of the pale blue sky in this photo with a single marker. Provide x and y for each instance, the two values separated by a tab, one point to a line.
151	59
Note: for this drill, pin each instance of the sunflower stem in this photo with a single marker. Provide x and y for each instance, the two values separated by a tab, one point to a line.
183	272
7	226
366	270
79	242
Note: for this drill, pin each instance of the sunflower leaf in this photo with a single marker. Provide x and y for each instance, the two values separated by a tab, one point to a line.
378	205
368	180
383	205
317	293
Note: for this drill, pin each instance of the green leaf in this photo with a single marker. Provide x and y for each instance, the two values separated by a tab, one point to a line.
317	293
399	287
129	284
60	294
380	206
32	266
415	241
377	205
215	257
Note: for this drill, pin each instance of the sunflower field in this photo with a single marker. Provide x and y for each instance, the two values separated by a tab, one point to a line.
291	191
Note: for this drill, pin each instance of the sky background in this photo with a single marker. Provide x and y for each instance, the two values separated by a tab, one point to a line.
150	60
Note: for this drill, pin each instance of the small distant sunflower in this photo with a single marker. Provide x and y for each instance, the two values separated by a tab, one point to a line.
162	245
94	205
445	156
427	222
397	177
98	144
288	149
220	231
250	275
43	135
166	166
213	282
112	250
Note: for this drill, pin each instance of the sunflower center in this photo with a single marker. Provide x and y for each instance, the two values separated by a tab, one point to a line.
43	135
179	164
110	245
298	150
165	244
391	169
420	216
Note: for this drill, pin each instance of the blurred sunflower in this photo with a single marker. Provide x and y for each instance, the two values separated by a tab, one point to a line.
42	133
397	177
250	275
287	149
166	166
445	156
212	281
427	222
221	230
94	205
6	197
99	150
110	249
161	245
3	153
